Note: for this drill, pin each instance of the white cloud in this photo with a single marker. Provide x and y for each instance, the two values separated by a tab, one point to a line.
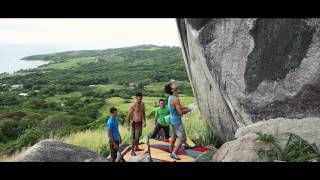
104	33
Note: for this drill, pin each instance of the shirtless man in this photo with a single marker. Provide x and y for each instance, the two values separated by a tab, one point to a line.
138	121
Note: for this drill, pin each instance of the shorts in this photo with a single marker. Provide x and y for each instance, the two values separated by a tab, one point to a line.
136	132
179	132
114	150
157	130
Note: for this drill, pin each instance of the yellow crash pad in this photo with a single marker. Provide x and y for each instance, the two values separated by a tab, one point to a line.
165	156
153	141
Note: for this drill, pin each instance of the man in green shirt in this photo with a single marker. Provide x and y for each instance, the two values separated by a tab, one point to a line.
160	122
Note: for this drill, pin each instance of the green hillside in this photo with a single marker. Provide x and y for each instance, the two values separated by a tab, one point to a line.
72	94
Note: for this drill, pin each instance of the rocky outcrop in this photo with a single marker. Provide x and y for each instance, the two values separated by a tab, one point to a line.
244	149
248	70
51	150
281	128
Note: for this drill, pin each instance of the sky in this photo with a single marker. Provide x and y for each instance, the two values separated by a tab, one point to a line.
100	33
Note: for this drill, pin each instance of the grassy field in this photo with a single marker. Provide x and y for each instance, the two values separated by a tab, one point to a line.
70	63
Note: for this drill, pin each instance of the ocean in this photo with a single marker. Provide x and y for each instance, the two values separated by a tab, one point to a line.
10	55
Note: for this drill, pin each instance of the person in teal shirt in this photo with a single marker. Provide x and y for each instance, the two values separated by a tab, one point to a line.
113	133
176	111
160	122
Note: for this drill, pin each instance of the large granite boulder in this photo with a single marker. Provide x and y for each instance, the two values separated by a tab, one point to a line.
281	128
51	150
248	70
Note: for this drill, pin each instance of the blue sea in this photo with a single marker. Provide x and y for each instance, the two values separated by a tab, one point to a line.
10	55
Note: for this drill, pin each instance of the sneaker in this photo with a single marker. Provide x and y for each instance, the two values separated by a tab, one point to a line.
174	156
118	156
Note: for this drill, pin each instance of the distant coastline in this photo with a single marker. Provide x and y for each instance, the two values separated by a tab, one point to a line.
13	66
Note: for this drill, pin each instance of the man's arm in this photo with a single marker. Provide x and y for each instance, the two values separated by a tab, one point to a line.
144	116
180	109
129	115
155	118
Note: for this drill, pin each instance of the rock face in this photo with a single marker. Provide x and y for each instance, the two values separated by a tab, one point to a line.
248	70
51	150
243	149
307	129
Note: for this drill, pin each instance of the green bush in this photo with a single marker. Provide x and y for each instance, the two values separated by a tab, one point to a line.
35	103
30	137
122	117
9	128
29	122
52	123
79	120
10	99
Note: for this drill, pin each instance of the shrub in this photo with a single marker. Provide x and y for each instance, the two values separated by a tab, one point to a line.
122	117
30	137
52	123
29	122
79	120
9	128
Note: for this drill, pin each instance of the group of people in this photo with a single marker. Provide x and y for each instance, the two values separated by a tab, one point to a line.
136	120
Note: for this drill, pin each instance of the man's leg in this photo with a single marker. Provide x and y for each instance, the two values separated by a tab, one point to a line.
180	131
133	145
138	135
116	150
166	133
113	154
173	139
155	131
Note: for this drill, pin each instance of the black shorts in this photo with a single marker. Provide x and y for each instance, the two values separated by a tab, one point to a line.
158	128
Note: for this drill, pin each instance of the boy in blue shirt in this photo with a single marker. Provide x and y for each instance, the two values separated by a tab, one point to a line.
113	133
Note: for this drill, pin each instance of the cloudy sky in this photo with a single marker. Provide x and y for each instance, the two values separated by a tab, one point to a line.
89	33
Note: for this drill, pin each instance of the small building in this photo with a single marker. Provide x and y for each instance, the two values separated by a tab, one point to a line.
16	86
132	84
23	94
